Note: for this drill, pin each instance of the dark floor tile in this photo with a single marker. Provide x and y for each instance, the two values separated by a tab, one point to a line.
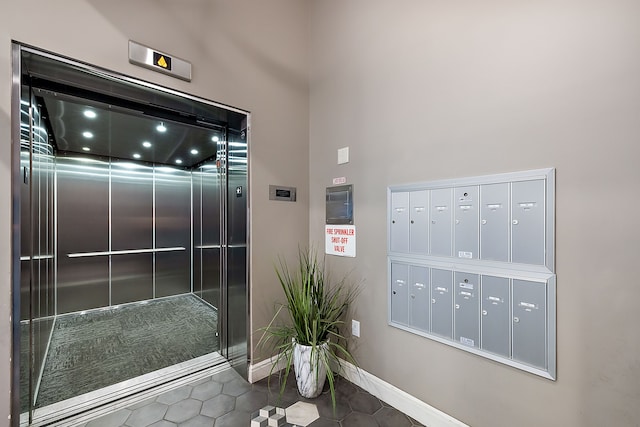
236	387
225	376
142	403
365	403
326	409
116	418
218	406
147	415
251	401
183	410
345	389
163	423
198	421
175	395
391	417
357	419
415	423
283	401
323	422
206	390
272	387
234	419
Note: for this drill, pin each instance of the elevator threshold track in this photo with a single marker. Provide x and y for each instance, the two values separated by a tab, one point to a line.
81	409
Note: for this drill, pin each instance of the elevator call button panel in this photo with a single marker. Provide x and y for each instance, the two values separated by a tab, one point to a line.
471	264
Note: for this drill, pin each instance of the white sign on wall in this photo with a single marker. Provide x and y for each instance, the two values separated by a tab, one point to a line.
340	240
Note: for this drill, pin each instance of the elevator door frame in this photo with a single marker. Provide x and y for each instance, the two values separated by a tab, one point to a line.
238	360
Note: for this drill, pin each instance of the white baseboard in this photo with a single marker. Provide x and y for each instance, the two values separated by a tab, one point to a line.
401	400
262	369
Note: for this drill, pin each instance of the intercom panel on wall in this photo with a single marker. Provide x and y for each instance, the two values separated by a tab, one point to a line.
471	264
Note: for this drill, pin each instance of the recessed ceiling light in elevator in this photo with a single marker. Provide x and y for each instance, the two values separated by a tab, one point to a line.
118	132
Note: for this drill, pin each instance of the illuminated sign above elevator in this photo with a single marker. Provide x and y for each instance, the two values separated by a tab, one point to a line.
159	61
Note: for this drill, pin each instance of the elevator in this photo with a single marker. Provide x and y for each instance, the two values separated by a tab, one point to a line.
130	234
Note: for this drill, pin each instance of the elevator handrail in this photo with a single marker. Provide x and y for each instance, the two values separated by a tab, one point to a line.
125	252
36	257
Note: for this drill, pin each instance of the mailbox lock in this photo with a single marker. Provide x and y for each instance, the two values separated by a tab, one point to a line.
457	221
484	221
433	222
515	222
413	297
412	221
516	319
484	312
393	222
457	306
433	300
394	292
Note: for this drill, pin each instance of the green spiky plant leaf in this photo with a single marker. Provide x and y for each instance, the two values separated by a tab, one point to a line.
315	307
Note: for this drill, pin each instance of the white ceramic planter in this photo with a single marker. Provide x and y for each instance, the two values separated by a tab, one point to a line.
310	382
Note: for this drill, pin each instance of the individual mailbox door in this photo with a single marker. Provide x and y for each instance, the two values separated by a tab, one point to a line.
440	230
529	322
419	302
399	293
495	315
467	320
466	222
399	232
528	222
419	222
442	302
494	222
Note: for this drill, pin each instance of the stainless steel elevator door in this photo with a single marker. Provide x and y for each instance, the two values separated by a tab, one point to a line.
210	222
37	299
235	209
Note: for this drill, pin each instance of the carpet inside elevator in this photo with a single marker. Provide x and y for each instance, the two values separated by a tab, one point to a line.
104	347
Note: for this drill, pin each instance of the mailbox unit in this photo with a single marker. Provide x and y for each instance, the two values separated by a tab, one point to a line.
471	264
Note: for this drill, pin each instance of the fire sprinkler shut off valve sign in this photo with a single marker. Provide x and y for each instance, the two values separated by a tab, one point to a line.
340	240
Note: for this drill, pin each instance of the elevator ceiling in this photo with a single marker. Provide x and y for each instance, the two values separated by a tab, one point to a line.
100	129
92	112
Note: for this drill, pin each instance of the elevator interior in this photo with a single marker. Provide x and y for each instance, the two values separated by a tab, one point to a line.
124	193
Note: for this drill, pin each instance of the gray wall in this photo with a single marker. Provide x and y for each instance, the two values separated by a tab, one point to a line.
419	90
246	53
424	90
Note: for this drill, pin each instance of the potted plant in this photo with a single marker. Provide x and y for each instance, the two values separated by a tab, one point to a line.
310	336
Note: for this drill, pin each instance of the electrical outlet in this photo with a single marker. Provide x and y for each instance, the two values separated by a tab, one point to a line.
355	328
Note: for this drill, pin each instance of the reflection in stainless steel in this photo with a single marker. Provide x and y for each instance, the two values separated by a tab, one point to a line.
131	206
131	278
125	252
83	283
36	257
173	275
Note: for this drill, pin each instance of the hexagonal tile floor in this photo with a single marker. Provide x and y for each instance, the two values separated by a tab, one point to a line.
226	400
